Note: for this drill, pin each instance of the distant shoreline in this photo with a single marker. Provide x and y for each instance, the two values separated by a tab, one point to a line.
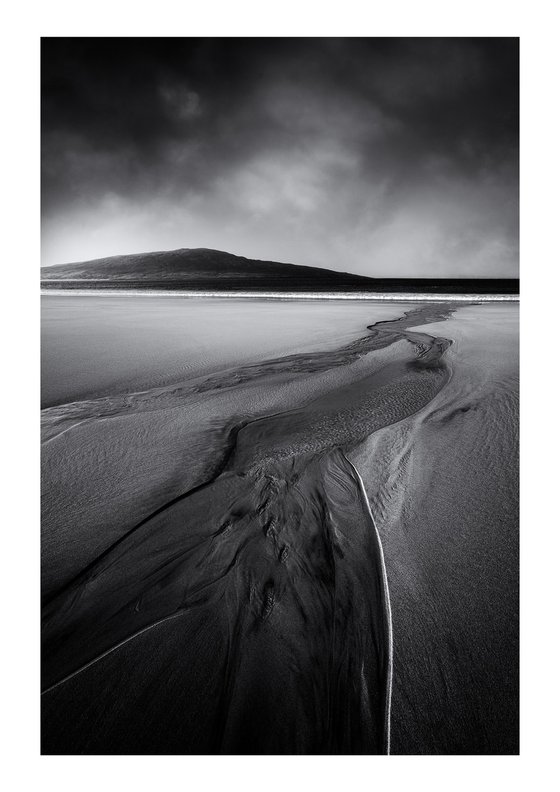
273	295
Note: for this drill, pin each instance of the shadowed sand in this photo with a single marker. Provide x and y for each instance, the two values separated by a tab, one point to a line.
247	612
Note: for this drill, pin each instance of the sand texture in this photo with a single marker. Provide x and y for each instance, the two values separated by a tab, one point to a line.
303	543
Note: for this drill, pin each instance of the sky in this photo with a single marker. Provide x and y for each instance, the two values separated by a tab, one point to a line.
383	157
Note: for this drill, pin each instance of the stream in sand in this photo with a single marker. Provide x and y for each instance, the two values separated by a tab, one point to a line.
248	611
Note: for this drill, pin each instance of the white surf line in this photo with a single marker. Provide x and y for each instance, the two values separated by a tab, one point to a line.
112	649
388	614
247	295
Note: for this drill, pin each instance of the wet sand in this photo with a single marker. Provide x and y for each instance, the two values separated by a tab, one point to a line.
222	554
101	345
443	487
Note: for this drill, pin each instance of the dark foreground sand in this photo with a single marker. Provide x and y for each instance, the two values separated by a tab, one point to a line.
222	555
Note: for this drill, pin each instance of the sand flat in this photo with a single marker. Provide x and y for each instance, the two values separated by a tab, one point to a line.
224	510
102	345
443	487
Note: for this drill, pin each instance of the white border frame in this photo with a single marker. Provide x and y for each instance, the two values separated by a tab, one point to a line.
22	27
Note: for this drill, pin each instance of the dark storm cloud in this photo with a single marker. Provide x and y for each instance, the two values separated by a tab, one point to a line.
382	156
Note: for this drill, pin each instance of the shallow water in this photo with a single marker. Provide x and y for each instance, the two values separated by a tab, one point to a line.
108	344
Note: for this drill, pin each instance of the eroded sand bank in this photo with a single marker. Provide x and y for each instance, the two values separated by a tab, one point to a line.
213	578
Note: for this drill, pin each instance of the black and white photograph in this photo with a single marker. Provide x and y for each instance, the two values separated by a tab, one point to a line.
279	395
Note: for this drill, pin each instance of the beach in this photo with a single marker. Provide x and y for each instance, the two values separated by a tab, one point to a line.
279	526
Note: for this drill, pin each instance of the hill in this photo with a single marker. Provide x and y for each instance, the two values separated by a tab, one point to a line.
201	269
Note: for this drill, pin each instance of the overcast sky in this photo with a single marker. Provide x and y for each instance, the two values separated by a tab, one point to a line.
384	157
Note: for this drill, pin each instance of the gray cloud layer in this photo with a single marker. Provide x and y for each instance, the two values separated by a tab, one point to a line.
384	157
